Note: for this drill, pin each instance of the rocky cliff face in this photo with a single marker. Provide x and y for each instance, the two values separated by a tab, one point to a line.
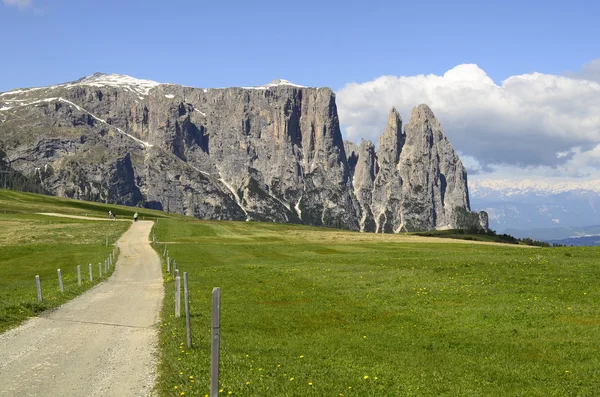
272	153
414	181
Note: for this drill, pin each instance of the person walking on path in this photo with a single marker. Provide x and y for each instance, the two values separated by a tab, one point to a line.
135	217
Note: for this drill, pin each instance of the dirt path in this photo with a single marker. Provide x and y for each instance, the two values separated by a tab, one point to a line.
102	343
89	218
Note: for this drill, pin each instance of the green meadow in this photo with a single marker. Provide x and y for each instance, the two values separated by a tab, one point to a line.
321	312
32	244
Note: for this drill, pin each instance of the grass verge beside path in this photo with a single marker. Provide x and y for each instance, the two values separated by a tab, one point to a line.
33	245
12	201
318	312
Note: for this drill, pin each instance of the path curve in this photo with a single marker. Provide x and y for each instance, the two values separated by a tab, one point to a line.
102	343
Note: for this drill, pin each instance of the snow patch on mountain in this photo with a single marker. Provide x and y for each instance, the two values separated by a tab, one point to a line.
274	83
128	83
140	86
540	187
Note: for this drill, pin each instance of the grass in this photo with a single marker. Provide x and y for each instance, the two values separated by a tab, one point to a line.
318	312
12	201
33	245
464	235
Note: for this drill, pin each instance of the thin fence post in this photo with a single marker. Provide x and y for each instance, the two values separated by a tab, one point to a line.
188	320
38	285
99	270
168	265
60	281
216	342
91	273
177	295
78	275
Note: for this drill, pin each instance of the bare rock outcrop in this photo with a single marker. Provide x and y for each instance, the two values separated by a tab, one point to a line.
418	182
271	153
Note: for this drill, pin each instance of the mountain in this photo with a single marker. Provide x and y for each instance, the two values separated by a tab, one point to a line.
269	153
579	241
538	209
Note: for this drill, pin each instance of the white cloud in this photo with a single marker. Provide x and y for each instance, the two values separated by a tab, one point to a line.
590	71
534	122
18	3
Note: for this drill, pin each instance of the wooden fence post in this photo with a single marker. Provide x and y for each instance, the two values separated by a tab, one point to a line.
78	275
38	285
177	295
188	320
216	342
99	270
91	273
60	281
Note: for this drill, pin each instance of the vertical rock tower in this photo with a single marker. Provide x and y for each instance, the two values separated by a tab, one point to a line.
414	181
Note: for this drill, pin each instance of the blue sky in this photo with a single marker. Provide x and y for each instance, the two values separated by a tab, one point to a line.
516	84
316	43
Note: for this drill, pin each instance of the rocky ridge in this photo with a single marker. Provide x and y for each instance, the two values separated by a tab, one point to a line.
269	153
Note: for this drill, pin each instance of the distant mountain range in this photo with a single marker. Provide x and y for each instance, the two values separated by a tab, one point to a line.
540	209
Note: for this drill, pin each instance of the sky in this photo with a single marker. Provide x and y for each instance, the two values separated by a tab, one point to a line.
516	85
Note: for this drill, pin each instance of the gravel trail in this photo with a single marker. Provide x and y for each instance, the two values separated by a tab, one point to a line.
102	343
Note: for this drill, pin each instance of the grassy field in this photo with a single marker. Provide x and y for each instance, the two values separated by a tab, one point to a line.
318	312
33	245
25	203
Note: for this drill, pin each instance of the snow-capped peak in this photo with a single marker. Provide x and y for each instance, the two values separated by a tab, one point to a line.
509	187
117	80
275	83
138	86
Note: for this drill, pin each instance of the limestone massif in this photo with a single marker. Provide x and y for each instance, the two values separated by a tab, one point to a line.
271	153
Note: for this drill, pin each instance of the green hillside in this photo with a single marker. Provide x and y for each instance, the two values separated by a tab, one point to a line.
32	244
321	312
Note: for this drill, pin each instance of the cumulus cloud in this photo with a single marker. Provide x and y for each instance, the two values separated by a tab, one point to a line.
530	121
18	3
590	71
